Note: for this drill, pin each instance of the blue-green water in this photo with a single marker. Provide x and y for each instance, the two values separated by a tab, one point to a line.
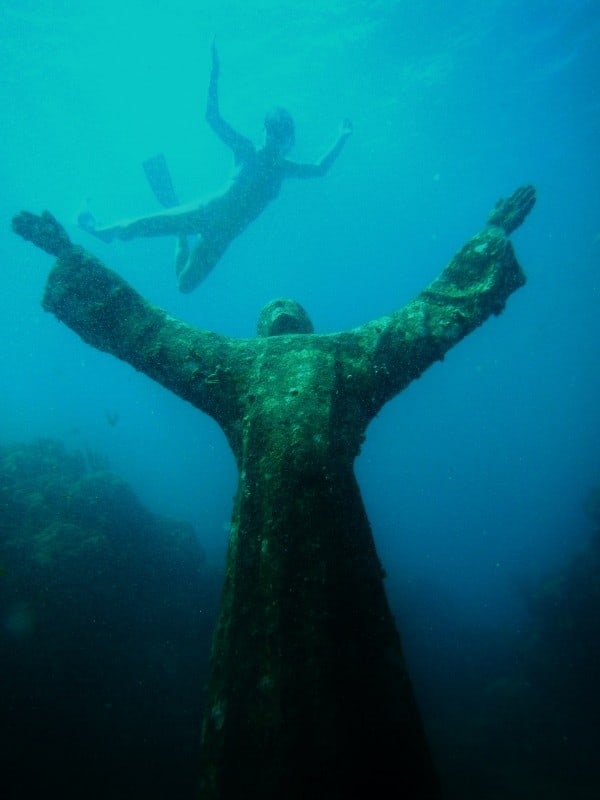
475	477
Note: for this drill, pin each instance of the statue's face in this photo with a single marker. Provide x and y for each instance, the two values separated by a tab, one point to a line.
283	316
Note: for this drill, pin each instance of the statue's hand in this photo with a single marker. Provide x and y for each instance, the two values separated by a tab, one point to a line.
509	214
43	231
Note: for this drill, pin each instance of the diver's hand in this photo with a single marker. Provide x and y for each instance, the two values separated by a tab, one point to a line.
510	213
346	128
43	231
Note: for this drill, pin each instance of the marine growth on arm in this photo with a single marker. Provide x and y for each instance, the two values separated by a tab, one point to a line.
474	286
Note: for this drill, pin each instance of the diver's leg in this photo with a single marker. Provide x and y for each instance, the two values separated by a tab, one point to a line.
176	222
87	222
182	254
202	259
179	221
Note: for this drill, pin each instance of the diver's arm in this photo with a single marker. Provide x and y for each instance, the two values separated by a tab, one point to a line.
295	170
240	145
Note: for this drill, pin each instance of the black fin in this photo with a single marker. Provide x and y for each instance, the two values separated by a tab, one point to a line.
159	178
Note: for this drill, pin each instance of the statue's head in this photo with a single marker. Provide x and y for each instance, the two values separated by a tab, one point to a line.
283	316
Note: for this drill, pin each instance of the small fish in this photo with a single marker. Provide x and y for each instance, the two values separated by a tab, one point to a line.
112	418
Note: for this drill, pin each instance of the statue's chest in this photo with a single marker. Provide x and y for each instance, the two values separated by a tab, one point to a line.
288	414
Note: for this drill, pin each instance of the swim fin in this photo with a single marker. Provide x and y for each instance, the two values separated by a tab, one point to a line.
159	178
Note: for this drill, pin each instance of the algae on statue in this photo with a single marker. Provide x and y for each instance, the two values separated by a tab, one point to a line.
309	694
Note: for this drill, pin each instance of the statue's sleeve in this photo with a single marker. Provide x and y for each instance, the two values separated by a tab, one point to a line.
110	315
475	284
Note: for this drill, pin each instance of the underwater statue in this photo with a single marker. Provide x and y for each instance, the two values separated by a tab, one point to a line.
309	695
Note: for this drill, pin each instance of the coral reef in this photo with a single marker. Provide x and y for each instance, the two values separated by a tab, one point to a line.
524	722
106	612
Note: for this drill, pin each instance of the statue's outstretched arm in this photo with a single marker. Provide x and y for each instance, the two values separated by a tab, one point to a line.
108	314
474	285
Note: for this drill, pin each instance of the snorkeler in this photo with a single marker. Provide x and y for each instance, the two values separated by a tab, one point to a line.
260	173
